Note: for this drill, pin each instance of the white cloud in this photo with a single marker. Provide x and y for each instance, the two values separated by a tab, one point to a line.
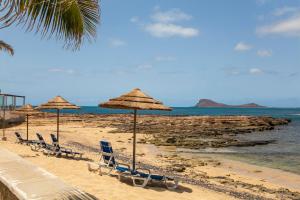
55	70
232	71
115	42
61	70
288	27
255	71
264	53
285	10
241	46
165	24
164	58
169	30
238	71
173	15
261	17
262	2
144	66
134	19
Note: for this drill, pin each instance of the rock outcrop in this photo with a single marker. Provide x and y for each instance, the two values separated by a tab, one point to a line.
203	103
193	132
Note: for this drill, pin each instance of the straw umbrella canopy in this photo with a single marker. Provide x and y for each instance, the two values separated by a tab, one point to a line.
135	100
58	103
28	110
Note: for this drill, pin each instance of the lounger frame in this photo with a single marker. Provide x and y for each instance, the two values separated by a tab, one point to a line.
140	177
107	160
63	150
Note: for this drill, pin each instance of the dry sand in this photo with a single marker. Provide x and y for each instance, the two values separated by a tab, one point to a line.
75	172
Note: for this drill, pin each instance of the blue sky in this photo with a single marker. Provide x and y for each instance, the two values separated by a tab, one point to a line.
178	51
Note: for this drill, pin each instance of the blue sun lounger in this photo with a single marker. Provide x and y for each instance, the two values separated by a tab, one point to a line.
63	150
107	159
42	145
20	140
140	177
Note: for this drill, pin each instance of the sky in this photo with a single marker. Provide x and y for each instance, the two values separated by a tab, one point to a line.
177	51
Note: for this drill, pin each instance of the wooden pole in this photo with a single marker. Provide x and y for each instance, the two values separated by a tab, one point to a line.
3	125
57	125
134	139
4	122
27	124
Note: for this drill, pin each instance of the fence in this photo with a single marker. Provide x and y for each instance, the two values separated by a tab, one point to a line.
10	101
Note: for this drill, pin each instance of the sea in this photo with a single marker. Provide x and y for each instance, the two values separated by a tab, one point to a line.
284	154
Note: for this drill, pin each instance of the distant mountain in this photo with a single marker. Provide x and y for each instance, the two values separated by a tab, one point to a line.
205	103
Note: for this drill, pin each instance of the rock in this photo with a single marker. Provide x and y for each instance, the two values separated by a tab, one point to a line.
192	132
171	140
179	169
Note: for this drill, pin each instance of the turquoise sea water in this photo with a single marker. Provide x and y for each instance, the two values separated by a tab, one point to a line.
283	154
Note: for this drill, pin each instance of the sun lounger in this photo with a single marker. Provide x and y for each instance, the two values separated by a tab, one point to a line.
140	177
20	140
42	145
107	159
62	150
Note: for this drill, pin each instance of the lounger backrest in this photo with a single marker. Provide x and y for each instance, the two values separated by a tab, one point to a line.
107	152
41	139
54	140
18	135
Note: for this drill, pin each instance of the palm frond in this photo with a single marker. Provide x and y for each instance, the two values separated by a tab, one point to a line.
67	20
6	47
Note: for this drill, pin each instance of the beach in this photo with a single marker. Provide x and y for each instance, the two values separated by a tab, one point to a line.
203	176
204	94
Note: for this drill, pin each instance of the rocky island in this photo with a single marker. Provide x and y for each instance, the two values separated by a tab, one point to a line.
207	103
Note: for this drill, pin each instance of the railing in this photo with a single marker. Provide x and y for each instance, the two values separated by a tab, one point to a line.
9	101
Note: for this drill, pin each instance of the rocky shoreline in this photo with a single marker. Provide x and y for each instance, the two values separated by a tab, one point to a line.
192	132
198	132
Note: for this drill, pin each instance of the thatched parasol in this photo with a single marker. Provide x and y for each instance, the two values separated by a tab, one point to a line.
58	103
28	110
136	100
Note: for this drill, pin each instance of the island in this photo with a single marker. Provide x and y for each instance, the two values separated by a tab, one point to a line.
207	103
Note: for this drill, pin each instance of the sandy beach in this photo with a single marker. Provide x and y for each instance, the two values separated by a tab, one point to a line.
203	177
204	93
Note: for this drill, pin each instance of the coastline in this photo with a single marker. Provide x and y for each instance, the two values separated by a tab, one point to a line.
217	177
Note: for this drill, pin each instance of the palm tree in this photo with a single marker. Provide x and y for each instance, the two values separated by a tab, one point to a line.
71	21
6	47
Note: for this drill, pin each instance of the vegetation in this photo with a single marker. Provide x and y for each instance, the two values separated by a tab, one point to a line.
6	47
71	21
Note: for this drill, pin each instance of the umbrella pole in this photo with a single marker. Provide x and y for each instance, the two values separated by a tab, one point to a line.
3	125
134	139
27	124
57	125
